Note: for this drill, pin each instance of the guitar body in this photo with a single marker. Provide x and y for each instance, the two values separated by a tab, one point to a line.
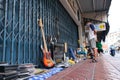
47	60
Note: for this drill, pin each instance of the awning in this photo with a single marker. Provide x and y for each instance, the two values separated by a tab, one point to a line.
94	9
88	6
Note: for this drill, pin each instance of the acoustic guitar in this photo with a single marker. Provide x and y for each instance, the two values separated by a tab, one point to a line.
47	60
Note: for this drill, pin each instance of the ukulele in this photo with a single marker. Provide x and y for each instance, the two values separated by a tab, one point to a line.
47	60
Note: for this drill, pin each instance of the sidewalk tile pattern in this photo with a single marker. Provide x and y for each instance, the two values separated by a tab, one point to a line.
85	70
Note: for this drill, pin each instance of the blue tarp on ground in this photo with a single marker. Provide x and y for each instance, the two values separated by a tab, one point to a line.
46	75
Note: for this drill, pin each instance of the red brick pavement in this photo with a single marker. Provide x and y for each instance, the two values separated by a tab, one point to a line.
101	71
85	70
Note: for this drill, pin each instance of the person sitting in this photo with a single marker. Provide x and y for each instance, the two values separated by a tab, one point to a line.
82	50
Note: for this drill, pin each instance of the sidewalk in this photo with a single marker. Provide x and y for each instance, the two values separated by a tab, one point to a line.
104	69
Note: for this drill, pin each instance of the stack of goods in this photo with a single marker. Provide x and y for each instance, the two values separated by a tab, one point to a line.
8	72
25	70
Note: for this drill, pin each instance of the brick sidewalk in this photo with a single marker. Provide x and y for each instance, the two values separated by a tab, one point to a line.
85	70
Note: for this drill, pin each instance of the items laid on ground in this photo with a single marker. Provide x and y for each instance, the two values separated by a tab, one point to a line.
29	72
13	72
8	72
25	72
46	74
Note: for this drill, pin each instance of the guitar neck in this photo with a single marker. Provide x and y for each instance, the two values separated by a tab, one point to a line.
44	41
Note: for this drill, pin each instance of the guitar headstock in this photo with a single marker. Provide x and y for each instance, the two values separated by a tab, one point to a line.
40	22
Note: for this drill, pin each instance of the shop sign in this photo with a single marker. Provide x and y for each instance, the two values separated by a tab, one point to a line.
100	27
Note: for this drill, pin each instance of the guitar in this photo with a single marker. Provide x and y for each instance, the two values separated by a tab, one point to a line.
47	60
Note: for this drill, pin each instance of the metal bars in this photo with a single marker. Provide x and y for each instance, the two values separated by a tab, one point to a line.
20	35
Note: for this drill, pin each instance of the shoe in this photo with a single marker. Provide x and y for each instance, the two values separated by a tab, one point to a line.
93	60
96	61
